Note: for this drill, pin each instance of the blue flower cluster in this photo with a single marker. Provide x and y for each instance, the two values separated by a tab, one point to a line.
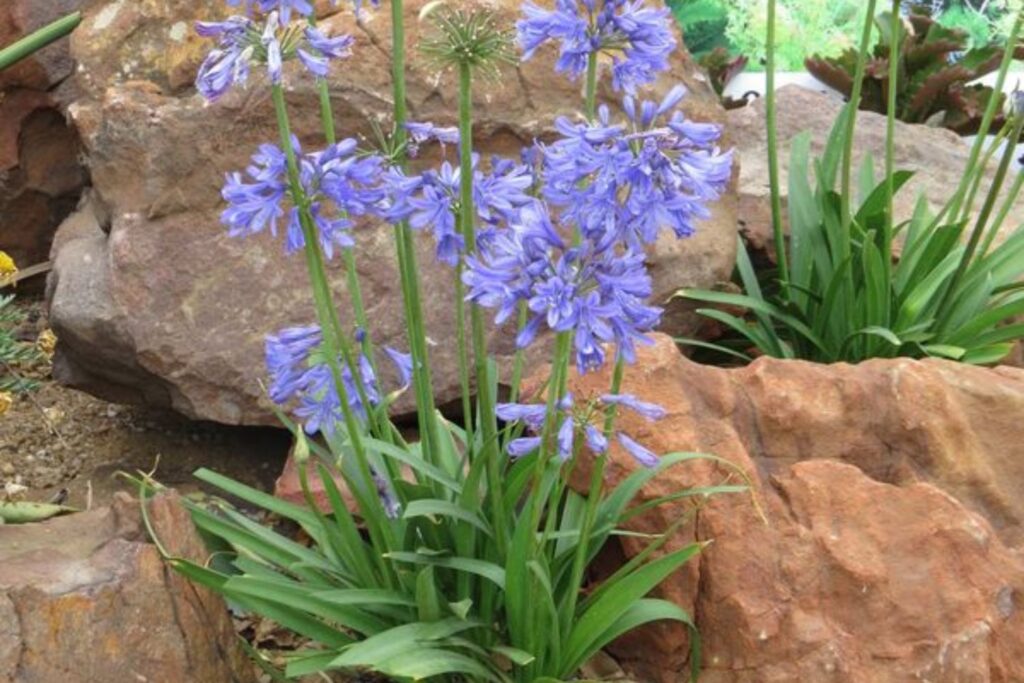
285	7
299	372
337	183
625	182
242	43
575	419
597	294
637	38
430	200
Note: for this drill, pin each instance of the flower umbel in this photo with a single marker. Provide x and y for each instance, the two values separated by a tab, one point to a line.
470	38
576	419
242	43
337	183
430	200
299	372
638	38
627	181
599	295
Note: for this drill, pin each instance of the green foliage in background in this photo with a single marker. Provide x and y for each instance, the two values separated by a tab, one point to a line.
13	353
703	23
805	27
851	283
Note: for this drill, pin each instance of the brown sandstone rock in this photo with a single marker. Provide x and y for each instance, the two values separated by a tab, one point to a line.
894	543
189	306
937	156
87	598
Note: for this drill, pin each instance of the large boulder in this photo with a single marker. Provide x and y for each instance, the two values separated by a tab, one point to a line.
88	598
891	546
187	308
937	156
40	154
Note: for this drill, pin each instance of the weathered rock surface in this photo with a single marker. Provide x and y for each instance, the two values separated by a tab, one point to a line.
41	173
190	307
87	598
937	156
894	543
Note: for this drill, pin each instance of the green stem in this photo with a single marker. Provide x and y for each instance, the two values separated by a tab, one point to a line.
590	102
486	414
335	343
552	421
771	116
979	227
36	41
579	562
953	208
520	357
1008	204
979	176
406	250
460	333
851	120
896	31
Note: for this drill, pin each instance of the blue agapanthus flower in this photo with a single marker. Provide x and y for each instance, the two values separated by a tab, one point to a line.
638	38
627	181
299	374
285	8
243	43
576	419
597	294
337	182
429	201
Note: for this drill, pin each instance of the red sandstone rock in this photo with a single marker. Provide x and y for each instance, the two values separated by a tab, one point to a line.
895	527
87	598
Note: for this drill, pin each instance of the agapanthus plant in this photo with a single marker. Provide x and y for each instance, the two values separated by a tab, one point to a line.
466	558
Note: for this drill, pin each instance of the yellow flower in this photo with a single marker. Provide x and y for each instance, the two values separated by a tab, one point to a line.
47	342
8	269
6	401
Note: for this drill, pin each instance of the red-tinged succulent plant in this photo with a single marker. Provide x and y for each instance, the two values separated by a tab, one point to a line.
936	74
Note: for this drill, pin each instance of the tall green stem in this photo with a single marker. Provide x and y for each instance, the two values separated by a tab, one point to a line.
579	563
896	33
953	208
771	122
851	120
335	342
979	226
485	400
406	248
590	97
36	41
1008	203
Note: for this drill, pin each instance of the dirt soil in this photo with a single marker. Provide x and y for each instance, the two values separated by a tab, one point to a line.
57	438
